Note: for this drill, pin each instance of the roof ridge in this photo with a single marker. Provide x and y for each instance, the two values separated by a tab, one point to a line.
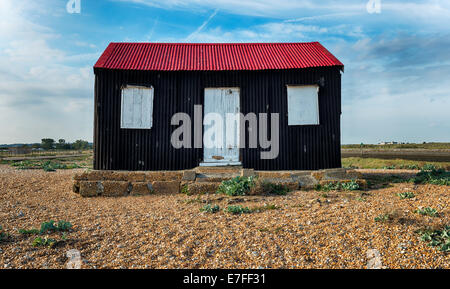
217	43
156	56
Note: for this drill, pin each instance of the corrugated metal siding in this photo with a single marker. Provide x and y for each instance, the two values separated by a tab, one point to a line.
215	57
301	147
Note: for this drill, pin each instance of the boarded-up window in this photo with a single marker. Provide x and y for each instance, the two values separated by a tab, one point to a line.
303	105
137	107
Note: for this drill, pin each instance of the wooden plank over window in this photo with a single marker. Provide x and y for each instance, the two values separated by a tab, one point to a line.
137	107
303	105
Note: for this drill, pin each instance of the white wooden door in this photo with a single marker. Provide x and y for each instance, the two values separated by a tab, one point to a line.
222	101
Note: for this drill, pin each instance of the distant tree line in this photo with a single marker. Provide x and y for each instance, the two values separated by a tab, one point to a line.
49	143
61	144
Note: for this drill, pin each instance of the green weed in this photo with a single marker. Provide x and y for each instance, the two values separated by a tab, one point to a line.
43	242
48	227
336	186
439	238
406	195
238	186
266	207
210	209
383	218
237	210
427	212
435	177
28	232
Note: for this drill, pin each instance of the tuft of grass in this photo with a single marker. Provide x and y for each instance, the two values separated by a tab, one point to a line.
383	218
193	201
433	176
429	167
64	226
439	238
238	186
406	195
185	190
362	197
337	186
350	186
48	166
29	232
237	210
210	209
266	207
48	227
43	242
389	167
427	212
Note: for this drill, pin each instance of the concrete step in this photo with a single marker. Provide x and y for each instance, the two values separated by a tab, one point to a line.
217	177
218	170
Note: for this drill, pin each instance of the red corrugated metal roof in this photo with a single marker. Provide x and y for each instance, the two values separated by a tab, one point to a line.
215	56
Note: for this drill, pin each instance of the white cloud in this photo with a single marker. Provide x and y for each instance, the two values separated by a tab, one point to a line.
201	27
40	94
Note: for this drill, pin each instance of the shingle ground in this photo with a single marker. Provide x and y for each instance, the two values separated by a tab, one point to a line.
307	230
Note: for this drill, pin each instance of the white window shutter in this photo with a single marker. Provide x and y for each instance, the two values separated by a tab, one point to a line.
303	105
137	107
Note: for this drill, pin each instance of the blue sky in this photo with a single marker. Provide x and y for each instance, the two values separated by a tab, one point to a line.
397	62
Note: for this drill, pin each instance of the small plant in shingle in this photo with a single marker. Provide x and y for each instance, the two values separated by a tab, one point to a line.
210	209
406	195
238	186
237	210
427	212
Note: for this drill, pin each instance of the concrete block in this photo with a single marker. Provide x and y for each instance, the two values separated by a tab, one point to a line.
318	175
90	188
334	174
163	176
166	187
274	175
307	182
202	188
213	179
88	176
141	188
248	173
116	176
115	188
135	176
352	174
189	175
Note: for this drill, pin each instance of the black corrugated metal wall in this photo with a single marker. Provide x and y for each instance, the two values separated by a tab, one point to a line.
301	147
